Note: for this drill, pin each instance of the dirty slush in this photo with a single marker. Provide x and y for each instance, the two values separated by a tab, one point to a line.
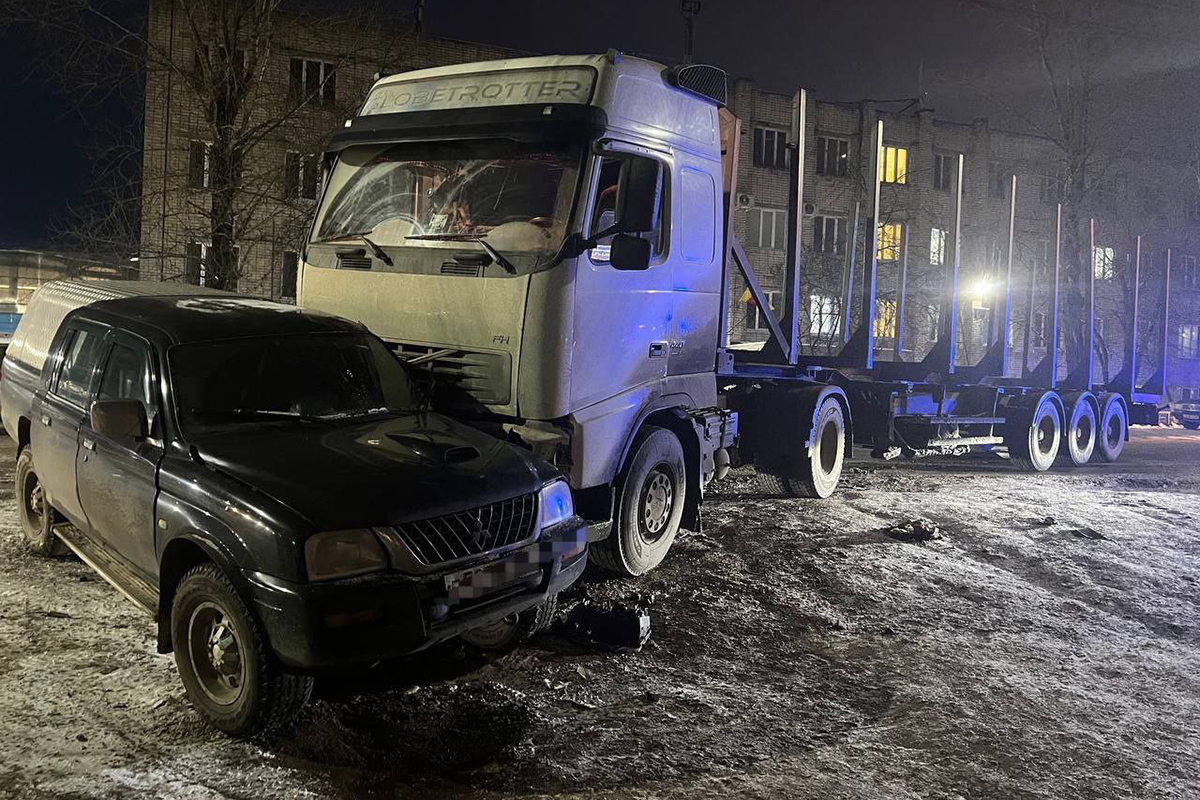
934	630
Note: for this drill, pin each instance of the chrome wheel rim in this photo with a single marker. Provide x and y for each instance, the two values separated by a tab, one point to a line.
215	651
658	495
1044	435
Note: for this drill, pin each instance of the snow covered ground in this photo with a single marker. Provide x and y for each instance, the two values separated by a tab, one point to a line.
1046	646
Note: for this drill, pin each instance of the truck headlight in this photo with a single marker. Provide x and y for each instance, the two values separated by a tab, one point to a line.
556	503
343	554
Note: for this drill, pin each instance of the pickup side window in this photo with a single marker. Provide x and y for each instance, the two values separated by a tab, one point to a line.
74	380
605	204
127	376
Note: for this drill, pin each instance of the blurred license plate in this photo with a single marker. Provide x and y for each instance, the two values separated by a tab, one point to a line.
479	582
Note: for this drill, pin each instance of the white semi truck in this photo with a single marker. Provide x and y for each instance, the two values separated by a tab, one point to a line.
552	239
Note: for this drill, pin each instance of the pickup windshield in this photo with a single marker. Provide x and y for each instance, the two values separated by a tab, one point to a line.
516	196
311	377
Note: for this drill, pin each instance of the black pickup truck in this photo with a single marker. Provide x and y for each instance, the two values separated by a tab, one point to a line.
267	483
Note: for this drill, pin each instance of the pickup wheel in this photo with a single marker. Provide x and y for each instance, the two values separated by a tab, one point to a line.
224	662
515	629
650	507
37	516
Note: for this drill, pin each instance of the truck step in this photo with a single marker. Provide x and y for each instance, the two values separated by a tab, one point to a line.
931	419
112	569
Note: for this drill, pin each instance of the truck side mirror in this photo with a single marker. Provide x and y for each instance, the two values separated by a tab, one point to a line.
120	419
629	252
637	195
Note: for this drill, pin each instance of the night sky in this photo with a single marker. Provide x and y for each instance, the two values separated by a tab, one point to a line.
841	50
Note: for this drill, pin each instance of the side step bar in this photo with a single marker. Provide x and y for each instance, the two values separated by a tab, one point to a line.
124	580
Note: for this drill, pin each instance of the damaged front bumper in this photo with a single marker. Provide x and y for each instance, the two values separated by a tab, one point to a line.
312	626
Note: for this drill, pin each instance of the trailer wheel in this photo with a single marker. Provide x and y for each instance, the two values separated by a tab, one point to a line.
650	507
1114	426
1080	436
820	466
1034	436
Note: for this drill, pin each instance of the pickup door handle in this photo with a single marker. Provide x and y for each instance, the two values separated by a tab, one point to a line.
89	444
658	350
46	420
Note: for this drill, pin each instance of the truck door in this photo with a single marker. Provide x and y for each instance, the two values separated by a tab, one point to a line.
60	409
117	478
622	319
695	269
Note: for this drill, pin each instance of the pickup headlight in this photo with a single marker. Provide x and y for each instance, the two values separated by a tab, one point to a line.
556	503
343	554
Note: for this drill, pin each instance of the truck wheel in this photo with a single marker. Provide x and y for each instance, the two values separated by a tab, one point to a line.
515	629
1114	425
1079	442
1033	437
1192	426
226	667
37	517
650	506
820	468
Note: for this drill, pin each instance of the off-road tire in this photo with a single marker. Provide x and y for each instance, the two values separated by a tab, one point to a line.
1078	445
515	630
820	466
633	548
269	696
1034	435
1113	427
35	514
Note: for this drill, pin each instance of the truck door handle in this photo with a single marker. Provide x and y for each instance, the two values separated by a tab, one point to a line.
46	420
89	444
658	349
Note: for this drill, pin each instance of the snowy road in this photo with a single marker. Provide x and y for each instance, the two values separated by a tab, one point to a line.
1047	646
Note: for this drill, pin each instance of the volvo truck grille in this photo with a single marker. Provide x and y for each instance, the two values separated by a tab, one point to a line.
473	532
486	377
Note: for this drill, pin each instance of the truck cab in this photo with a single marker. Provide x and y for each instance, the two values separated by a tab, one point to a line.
546	236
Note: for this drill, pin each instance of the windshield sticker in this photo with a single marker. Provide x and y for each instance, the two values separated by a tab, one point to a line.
509	88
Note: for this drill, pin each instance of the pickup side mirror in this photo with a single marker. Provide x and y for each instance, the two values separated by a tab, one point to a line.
637	195
629	252
120	419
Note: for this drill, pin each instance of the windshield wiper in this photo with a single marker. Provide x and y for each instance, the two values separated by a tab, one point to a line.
496	255
337	237
377	250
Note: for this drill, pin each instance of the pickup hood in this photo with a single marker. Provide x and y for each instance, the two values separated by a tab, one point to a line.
377	472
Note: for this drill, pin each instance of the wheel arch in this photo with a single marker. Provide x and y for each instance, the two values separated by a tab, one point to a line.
180	554
23	426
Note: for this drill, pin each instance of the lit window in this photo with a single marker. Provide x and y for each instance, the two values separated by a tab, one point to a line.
823	315
1189	341
1103	260
937	246
756	320
770	148
890	236
893	165
833	156
767	227
827	235
885	319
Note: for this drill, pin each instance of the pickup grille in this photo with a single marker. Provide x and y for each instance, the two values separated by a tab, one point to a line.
470	533
486	377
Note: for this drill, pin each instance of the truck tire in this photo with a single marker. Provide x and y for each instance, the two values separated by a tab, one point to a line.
1113	428
1079	439
649	508
1033	435
224	662
514	630
36	515
820	466
1192	426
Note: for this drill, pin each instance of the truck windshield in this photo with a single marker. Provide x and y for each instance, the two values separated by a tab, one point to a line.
311	377
516	196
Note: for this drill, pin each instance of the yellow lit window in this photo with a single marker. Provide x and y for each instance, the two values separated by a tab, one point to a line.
890	236
893	165
885	319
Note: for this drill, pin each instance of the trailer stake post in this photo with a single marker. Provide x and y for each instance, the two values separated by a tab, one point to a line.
1047	371
871	267
848	277
901	288
1156	386
1125	381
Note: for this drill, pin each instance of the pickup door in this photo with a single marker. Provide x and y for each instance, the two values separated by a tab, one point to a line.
118	478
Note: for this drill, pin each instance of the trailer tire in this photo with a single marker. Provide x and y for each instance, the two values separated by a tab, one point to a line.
1033	435
1079	439
1113	428
649	507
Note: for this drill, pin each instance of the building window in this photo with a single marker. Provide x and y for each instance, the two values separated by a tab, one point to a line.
1053	189
827	235
288	275
1189	341
833	156
196	269
300	176
756	320
944	167
999	180
1039	329
885	319
1103	263
937	246
1191	275
823	315
890	237
893	165
309	79
770	148
199	164
1192	208
1043	257
767	228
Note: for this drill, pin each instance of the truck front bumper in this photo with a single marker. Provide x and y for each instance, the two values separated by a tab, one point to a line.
313	626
